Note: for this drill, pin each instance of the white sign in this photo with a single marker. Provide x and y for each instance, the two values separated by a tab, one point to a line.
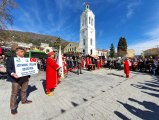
25	66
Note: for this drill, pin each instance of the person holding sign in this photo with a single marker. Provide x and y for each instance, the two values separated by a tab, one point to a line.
17	82
51	73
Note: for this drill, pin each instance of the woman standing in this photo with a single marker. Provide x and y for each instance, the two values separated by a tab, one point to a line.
51	73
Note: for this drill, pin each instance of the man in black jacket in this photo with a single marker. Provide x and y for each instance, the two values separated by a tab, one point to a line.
17	82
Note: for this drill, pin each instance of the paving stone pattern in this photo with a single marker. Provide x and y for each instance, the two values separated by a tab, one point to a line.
96	95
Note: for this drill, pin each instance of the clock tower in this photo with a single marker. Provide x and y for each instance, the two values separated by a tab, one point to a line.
87	32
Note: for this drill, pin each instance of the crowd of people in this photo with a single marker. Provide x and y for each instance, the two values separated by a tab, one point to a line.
148	65
69	64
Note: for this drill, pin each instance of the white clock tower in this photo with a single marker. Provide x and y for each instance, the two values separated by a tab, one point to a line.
87	32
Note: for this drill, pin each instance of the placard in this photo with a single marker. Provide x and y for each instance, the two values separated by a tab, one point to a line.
25	66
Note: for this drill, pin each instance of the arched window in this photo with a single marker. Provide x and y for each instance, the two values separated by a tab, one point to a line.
84	41
92	22
83	33
82	22
89	20
91	41
85	20
91	51
83	50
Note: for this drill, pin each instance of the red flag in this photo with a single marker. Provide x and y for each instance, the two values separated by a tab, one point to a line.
32	59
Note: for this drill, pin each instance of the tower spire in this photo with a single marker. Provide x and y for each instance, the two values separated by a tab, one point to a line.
87	5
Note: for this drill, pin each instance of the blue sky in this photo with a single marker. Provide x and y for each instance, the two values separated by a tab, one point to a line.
137	20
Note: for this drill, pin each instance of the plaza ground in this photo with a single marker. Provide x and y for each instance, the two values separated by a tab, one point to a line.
96	95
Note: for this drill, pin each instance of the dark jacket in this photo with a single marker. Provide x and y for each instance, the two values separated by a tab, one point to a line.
11	69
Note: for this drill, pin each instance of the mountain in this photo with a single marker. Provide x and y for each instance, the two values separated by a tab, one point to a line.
27	37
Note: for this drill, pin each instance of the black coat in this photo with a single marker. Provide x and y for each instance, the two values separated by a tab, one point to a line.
11	69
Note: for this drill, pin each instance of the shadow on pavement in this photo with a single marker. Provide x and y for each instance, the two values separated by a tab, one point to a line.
115	74
152	94
152	108
121	116
144	87
30	89
150	114
44	85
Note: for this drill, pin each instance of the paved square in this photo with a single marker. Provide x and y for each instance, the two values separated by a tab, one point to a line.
97	95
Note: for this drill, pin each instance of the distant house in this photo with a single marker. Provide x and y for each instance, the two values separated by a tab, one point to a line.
43	45
25	45
72	47
151	52
102	53
130	53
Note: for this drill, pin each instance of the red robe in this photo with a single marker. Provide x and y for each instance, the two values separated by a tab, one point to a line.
82	63
126	68
98	64
51	74
65	67
90	61
87	62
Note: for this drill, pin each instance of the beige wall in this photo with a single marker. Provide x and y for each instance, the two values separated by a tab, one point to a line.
151	52
72	47
101	53
130	53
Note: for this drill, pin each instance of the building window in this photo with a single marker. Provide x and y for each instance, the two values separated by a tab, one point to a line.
83	33
82	22
70	44
85	20
89	20
91	41
91	51
70	49
84	42
92	22
83	50
75	48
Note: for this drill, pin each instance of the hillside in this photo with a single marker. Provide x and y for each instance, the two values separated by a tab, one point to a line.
28	37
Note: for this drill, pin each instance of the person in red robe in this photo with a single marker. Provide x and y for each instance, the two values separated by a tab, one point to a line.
82	59
90	61
51	73
98	63
126	68
87	62
64	65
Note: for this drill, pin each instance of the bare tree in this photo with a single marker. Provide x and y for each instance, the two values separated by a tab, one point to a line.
5	13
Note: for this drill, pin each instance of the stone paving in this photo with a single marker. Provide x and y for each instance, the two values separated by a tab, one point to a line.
96	95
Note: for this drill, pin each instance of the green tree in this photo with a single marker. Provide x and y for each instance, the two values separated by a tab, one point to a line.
57	43
122	47
5	15
112	51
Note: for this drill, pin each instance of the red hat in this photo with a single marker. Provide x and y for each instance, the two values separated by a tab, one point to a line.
50	53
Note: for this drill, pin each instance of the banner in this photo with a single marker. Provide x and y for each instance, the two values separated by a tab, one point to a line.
60	63
25	66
